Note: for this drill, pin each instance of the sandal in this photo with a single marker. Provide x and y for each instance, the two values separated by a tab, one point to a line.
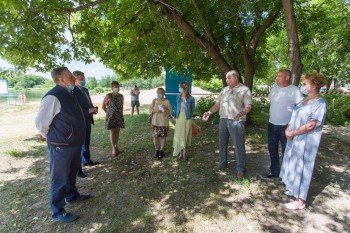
114	154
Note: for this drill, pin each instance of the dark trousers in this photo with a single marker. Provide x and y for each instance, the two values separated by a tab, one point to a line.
276	134
64	164
85	150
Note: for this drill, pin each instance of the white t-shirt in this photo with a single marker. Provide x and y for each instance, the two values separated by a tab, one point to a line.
282	102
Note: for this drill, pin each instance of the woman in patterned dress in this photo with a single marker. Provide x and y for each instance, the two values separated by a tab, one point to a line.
161	109
303	139
113	106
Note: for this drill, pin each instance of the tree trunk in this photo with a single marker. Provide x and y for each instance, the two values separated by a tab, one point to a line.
248	65
293	41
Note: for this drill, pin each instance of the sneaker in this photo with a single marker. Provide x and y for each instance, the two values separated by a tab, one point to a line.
81	174
240	175
292	206
82	197
90	164
156	154
161	154
64	217
268	176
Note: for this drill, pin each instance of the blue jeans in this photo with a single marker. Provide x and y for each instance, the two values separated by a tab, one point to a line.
85	150
276	134
235	129
64	165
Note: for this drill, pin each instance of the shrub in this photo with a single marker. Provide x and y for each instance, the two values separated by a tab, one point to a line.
204	104
259	115
98	90
338	110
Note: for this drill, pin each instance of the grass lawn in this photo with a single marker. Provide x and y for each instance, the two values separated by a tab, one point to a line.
137	193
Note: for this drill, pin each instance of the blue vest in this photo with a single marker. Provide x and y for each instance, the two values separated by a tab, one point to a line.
68	126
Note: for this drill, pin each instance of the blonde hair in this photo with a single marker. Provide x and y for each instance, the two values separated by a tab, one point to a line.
315	79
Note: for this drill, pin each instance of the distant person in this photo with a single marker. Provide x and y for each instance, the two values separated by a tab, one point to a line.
303	139
113	106
134	93
283	98
83	97
183	129
161	109
62	123
22	98
233	104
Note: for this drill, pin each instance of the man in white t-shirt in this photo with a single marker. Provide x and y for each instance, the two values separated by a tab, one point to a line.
283	97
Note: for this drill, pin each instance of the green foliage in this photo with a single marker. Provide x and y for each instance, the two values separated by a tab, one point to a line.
48	83
338	110
149	83
98	90
203	105
106	81
259	115
91	83
213	85
24	81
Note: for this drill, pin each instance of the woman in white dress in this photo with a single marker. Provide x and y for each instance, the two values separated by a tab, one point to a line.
303	139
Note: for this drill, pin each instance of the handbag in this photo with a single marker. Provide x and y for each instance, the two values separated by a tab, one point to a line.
149	118
195	129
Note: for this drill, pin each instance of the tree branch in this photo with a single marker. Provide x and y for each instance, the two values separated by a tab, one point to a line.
204	22
137	14
260	30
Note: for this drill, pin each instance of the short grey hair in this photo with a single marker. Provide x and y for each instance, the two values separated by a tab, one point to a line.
233	73
57	72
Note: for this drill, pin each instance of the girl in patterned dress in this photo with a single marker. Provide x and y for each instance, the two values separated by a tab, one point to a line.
161	109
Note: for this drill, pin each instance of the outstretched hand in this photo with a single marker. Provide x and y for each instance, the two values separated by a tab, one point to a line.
40	138
205	116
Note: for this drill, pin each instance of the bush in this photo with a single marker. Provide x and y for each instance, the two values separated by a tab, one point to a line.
259	115
203	105
338	110
97	90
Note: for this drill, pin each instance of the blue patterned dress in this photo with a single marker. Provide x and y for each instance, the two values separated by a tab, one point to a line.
300	153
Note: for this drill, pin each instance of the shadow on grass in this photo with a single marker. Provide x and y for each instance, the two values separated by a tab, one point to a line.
136	193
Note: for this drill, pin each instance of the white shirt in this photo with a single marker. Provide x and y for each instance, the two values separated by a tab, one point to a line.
50	106
282	102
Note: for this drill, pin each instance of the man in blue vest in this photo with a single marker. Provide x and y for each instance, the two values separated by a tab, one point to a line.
83	97
60	120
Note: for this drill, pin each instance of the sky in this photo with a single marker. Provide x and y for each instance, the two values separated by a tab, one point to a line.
95	69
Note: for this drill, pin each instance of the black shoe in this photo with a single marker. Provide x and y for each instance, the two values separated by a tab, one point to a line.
156	154
82	197
90	164
64	217
268	176
161	154
81	174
